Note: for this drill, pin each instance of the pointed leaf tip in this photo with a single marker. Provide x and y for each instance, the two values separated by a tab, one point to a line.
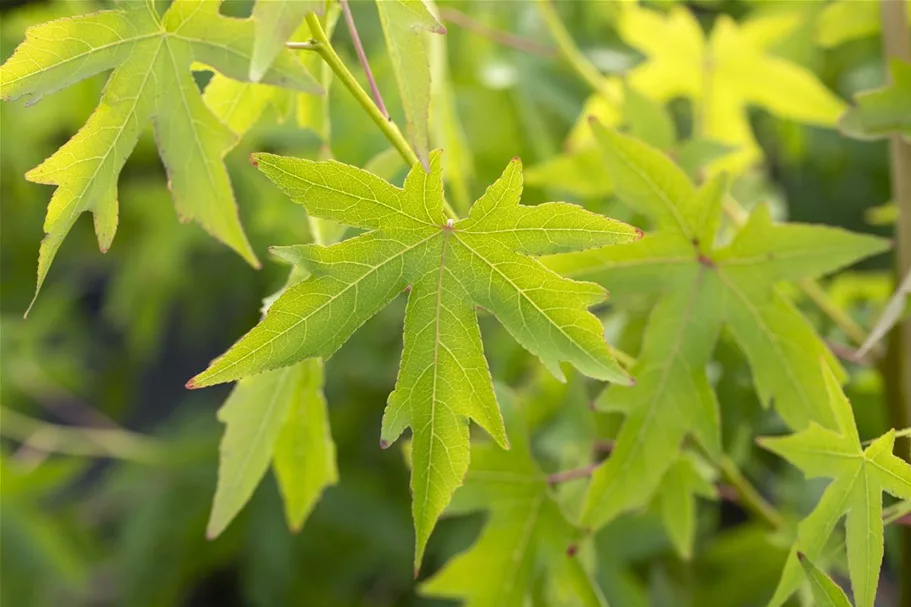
384	444
254	160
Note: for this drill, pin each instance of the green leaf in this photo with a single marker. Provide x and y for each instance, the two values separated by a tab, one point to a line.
275	21
885	111
579	173
240	105
859	477
701	288
526	537
845	20
276	417
405	26
482	260
826	593
891	314
724	75
684	481
151	81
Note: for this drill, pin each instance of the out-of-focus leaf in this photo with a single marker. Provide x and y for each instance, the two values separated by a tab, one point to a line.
724	75
580	173
526	536
406	24
885	111
277	415
859	478
275	21
684	481
845	20
700	289
892	313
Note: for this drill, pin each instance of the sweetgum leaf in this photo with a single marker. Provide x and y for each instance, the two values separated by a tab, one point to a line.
151	81
859	476
451	266
724	74
885	111
526	536
277	417
701	288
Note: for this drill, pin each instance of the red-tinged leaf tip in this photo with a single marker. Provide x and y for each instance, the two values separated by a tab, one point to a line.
639	233
254	161
572	550
592	119
210	534
384	444
191	385
801	556
516	159
441	30
632	382
417	572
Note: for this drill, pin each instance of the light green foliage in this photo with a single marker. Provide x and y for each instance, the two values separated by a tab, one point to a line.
451	267
277	417
526	537
826	593
845	20
405	26
151	58
885	111
240	105
275	21
684	481
859	477
699	289
580	170
724	74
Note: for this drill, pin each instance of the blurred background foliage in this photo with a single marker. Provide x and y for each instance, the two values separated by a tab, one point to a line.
113	338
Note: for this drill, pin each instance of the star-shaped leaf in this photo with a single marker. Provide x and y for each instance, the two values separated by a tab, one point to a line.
451	266
700	288
859	478
724	74
151	81
526	536
885	111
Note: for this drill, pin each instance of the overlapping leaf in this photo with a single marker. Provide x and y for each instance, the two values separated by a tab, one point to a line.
240	105
274	22
485	259
151	81
885	111
526	538
724	74
699	289
277	417
859	476
845	20
405	26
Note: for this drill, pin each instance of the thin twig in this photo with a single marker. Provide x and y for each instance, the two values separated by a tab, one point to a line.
569	475
386	125
362	56
498	36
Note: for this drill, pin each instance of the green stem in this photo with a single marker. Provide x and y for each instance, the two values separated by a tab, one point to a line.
747	494
571	53
387	126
